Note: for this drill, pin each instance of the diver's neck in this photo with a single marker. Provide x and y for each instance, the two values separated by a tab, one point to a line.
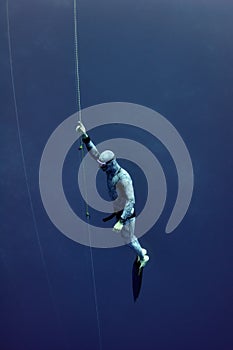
115	168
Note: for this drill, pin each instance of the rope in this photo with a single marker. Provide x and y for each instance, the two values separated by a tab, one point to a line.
78	93
79	118
25	169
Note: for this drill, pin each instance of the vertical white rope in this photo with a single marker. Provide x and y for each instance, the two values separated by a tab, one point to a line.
78	94
20	140
79	118
25	172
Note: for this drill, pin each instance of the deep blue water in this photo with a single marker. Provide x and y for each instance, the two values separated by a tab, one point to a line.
174	56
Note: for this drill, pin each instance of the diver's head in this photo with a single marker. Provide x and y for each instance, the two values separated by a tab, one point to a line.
105	159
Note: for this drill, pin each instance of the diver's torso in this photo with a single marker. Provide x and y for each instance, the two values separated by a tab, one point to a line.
117	184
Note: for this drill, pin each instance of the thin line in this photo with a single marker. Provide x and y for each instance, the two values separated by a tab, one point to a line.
83	168
78	92
91	255
25	169
94	286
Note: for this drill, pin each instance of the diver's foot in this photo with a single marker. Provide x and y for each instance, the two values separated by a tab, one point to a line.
143	261
144	251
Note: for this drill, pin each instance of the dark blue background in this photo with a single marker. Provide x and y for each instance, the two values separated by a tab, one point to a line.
174	56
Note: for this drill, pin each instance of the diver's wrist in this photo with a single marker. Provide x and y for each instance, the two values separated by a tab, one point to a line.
86	138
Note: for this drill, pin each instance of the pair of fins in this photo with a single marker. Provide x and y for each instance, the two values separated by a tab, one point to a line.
137	274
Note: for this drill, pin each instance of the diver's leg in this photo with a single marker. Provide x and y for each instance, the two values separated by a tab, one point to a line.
129	238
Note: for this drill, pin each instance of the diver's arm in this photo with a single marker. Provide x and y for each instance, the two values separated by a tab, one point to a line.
91	147
127	189
87	141
130	200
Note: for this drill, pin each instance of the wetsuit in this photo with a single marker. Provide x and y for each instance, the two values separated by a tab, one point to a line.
121	192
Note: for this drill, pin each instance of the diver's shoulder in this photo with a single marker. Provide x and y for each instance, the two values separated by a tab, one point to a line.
124	174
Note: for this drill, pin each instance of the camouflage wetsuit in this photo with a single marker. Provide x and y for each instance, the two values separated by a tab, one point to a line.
121	192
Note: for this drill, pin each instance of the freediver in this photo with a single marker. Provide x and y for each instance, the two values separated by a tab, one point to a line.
121	192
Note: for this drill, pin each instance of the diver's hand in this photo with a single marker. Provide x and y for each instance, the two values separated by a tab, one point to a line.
118	226
81	128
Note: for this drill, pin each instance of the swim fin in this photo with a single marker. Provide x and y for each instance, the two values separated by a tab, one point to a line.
137	273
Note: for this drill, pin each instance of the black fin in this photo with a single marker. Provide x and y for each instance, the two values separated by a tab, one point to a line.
137	273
